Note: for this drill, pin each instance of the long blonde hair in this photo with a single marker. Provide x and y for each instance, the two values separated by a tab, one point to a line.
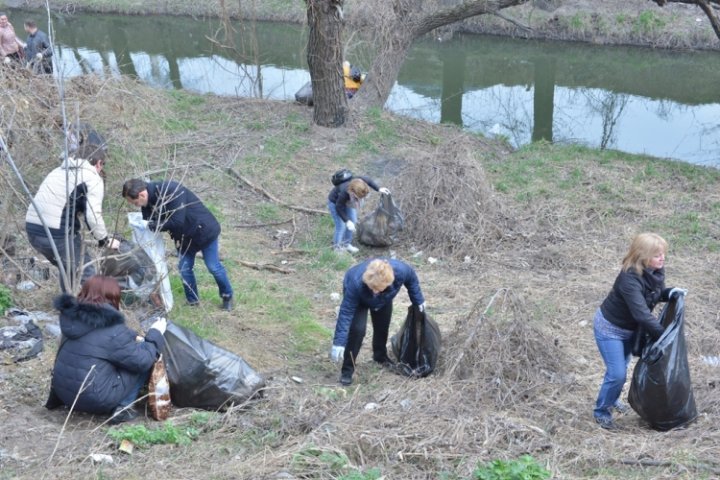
643	248
358	188
378	275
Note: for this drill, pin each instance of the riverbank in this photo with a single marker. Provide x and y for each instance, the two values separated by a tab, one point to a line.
555	223
610	22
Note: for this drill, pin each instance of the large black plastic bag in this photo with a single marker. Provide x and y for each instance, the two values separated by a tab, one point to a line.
381	227
132	268
417	344
661	391
203	375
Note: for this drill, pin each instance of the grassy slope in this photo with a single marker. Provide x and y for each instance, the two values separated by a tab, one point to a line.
573	212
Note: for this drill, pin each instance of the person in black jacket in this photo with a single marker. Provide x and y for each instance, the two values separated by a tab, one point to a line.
171	207
101	364
343	202
370	286
627	308
38	50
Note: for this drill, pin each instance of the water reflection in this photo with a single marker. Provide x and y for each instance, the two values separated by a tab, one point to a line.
629	99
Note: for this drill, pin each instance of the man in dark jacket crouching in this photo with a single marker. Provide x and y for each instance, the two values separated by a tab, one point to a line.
101	364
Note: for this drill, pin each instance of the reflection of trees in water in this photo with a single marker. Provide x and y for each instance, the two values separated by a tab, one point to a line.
610	107
513	114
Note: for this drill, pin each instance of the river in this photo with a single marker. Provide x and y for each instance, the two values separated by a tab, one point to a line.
665	104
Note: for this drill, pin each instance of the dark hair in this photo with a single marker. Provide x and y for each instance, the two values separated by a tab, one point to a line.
30	23
91	153
133	187
99	290
3	14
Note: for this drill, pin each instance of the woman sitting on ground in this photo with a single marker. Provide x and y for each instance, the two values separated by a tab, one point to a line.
101	364
628	308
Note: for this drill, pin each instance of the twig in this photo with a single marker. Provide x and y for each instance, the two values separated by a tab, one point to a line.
514	22
269	224
292	235
270	196
289	251
704	467
266	266
22	270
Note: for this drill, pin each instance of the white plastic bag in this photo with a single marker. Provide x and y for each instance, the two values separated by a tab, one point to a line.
154	246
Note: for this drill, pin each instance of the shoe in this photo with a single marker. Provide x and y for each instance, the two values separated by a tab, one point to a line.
384	361
352	249
622	408
193	304
339	250
606	423
346	379
227	303
123	414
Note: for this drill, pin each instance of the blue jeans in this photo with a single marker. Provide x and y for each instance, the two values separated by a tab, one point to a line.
142	379
616	354
342	236
212	262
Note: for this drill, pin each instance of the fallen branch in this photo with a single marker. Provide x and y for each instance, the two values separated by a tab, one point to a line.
289	251
266	266
269	224
514	22
270	196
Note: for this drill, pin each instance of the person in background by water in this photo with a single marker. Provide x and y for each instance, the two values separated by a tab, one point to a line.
171	207
101	364
343	201
370	286
352	79
628	308
38	50
9	46
71	195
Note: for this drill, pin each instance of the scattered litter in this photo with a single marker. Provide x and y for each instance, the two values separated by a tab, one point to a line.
101	458
53	330
25	339
126	446
467	259
296	379
371	406
335	297
583	323
698	19
712	360
24	316
406	404
432	260
418	254
26	285
283	262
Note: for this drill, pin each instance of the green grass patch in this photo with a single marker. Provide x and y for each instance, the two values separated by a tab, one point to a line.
380	135
524	468
648	21
196	319
167	434
268	212
5	299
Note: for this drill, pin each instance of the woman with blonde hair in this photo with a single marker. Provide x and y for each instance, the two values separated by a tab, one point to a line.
370	286
343	202
628	307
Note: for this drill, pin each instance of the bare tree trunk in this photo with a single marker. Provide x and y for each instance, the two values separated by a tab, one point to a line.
325	61
398	24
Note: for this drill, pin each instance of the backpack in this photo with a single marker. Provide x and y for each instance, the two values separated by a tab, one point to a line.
341	176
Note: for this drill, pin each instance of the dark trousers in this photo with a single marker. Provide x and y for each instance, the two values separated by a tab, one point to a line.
381	325
42	244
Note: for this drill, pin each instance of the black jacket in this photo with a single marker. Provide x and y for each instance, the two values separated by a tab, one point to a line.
38	42
175	209
340	196
97	335
630	303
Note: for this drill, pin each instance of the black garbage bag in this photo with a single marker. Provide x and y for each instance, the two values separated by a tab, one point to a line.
204	375
381	227
25	340
417	344
305	95
132	268
661	391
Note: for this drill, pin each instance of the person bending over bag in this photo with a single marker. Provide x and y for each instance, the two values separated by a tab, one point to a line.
101	362
628	307
371	285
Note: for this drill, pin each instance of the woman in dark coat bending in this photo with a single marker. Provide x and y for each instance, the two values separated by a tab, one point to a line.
100	357
628	307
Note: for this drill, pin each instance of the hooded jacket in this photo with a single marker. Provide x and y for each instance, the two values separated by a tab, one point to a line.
96	335
72	192
357	295
340	196
630	303
175	209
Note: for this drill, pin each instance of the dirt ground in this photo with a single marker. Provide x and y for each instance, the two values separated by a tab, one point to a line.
519	379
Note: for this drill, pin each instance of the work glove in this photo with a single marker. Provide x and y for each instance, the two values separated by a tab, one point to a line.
113	244
350	225
677	291
337	353
160	325
384	191
6	60
38	56
421	307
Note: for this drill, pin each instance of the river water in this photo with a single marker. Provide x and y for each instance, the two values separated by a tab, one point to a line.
665	104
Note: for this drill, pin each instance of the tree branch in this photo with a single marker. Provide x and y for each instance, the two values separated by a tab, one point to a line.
467	9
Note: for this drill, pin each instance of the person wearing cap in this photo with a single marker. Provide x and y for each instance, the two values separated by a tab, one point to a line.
370	286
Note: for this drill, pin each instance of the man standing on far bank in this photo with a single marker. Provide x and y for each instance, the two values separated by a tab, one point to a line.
38	50
170	207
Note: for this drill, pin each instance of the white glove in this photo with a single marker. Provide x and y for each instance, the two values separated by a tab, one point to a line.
7	60
350	225
38	56
114	244
337	353
145	224
160	325
679	291
421	307
384	191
